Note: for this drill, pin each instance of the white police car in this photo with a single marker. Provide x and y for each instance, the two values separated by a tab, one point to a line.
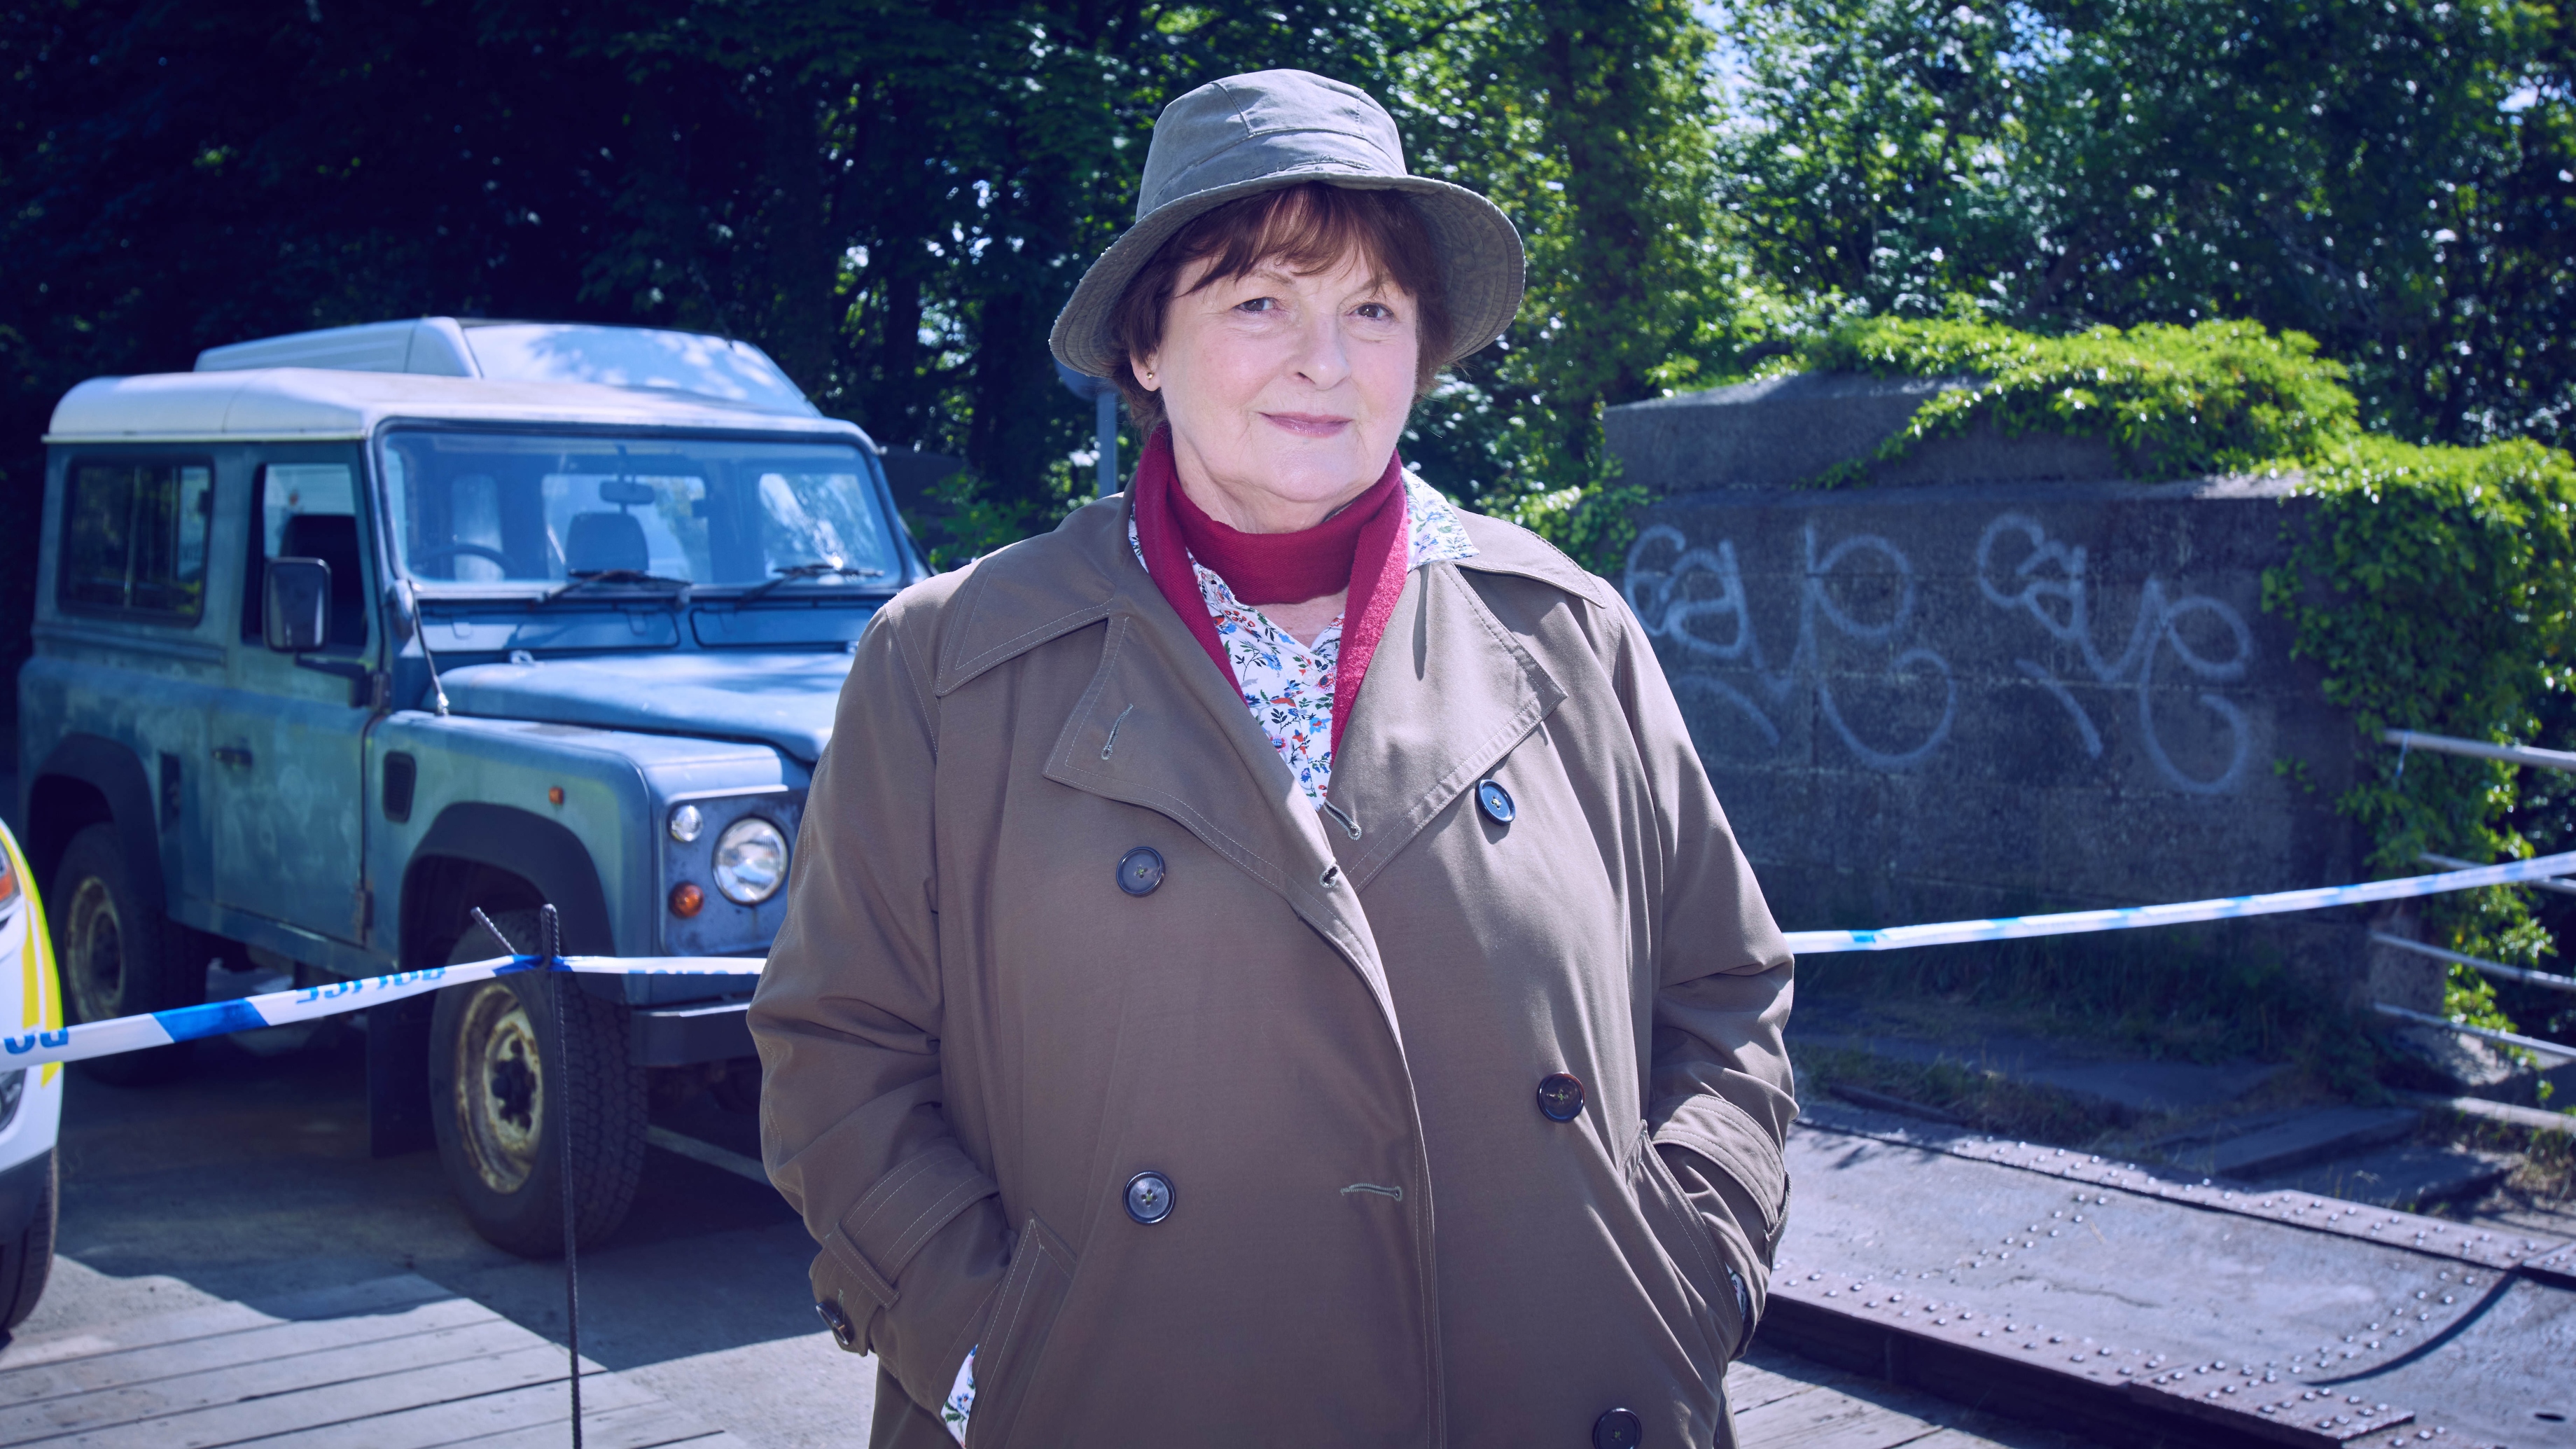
31	1098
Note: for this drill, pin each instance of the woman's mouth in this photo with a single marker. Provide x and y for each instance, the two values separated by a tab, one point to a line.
1308	425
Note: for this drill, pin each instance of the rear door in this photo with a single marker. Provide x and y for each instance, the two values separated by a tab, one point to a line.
130	640
289	733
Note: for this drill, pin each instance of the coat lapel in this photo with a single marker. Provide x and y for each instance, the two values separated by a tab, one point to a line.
1159	728
1448	695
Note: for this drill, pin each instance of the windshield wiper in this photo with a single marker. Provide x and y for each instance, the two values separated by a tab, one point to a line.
792	573
617	576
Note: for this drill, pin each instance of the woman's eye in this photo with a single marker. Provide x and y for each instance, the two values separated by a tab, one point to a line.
1258	304
1377	311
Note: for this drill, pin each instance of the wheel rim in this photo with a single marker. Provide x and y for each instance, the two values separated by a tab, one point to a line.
500	1088
93	953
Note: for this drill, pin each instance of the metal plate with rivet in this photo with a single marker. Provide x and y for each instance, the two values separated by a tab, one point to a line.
2180	1303
1140	871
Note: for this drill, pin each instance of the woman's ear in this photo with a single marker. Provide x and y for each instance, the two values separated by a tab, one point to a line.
1143	367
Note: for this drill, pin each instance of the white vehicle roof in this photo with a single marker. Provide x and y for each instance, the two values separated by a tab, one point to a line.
307	404
342	382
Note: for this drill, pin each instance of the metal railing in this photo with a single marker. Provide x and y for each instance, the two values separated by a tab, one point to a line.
2549	979
2510	754
2560	884
2537	758
2531	1044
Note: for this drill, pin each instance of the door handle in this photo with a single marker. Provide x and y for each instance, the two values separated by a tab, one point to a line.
233	755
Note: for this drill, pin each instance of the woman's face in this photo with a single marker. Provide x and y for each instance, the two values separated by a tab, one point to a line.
1286	393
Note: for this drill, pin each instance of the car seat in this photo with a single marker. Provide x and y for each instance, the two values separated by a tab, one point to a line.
598	542
333	538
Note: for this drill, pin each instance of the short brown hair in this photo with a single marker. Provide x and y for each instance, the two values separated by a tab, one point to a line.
1307	228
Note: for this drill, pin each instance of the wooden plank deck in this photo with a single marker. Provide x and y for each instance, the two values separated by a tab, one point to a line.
397	1363
401	1363
1782	1401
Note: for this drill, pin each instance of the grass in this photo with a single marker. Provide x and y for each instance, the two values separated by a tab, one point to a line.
1984	1100
2548	1172
2208	994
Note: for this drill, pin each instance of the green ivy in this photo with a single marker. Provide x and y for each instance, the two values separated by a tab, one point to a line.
2437	588
1592	520
2173	402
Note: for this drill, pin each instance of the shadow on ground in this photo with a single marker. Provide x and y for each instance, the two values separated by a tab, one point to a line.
250	1177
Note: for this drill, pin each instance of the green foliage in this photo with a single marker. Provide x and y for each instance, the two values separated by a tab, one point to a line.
2436	587
2396	180
1589	123
1593	525
966	517
2470	999
2219	397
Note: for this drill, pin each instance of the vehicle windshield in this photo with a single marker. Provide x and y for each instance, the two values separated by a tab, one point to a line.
492	508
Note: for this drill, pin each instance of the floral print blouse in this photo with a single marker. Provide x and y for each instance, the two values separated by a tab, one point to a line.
1288	686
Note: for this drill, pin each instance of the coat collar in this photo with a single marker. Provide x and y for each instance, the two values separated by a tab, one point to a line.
1038	589
1449	695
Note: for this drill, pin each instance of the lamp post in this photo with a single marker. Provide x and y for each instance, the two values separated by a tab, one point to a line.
1103	398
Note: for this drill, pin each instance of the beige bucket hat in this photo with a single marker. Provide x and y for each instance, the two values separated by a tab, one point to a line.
1247	134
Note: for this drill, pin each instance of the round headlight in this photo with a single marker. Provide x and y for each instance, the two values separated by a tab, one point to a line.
751	861
686	822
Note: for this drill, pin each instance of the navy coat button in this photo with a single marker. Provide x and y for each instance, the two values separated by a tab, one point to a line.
1149	1197
839	1322
1140	870
1618	1429
1560	1097
1495	801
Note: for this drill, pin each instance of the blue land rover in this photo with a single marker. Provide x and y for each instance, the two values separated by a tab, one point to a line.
347	634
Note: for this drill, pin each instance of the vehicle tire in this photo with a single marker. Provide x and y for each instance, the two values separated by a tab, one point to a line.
28	1261
118	955
495	1078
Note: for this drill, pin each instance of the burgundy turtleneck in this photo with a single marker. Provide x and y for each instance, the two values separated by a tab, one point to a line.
1361	548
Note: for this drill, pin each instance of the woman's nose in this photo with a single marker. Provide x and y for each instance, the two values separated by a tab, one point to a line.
1323	356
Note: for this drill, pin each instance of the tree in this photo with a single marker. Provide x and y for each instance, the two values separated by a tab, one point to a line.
1589	124
2396	180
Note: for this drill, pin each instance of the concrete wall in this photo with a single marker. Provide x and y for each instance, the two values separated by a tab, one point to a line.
1987	692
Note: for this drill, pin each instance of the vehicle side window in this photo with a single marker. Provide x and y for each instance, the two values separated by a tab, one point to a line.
308	510
134	538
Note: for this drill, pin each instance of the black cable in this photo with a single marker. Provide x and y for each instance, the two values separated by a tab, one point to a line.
550	945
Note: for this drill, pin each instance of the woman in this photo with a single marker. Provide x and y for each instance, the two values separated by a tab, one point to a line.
1264	964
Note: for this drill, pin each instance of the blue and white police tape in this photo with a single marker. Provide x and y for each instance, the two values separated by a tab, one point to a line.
282	1008
310	1003
2129	918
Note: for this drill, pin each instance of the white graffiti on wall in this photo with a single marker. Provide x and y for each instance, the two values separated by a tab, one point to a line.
1695	600
2049	584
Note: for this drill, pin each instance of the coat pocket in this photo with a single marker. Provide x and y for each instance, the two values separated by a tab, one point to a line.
1693	1250
1015	1336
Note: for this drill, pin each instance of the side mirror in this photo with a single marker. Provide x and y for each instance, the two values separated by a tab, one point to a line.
296	604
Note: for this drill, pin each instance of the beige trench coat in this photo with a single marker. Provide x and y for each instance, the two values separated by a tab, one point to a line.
1330	1043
